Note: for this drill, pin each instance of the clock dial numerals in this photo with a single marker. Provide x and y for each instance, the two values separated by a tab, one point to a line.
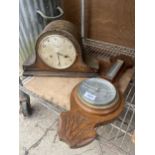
59	50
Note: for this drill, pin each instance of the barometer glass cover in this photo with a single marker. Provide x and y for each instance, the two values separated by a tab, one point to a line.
97	92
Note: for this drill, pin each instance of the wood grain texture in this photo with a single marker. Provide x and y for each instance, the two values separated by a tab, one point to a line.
109	21
78	127
124	75
107	63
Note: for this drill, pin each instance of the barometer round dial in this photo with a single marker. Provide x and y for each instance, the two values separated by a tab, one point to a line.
57	51
97	93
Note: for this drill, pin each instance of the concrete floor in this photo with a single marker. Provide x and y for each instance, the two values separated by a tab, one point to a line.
38	136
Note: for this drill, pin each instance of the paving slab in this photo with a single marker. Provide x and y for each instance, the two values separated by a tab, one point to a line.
38	136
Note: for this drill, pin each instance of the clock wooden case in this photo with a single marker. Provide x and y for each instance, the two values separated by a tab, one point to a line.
58	53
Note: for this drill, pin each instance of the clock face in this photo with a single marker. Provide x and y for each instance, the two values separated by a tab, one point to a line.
57	51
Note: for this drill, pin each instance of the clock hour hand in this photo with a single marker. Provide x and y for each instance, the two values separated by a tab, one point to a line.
66	56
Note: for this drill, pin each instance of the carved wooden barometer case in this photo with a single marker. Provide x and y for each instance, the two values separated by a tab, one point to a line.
94	102
58	52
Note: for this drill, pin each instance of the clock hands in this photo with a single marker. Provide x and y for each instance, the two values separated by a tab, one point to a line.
65	56
58	56
58	60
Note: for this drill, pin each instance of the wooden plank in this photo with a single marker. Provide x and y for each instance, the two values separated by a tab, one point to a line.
109	21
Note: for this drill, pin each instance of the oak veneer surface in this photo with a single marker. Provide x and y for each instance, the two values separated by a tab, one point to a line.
109	21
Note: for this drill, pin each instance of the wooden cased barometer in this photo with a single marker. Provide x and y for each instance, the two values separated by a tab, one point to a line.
94	101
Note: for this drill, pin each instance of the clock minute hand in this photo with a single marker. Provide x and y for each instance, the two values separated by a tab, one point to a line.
58	59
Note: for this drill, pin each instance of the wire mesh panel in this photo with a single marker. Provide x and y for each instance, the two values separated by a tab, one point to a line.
101	49
118	134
